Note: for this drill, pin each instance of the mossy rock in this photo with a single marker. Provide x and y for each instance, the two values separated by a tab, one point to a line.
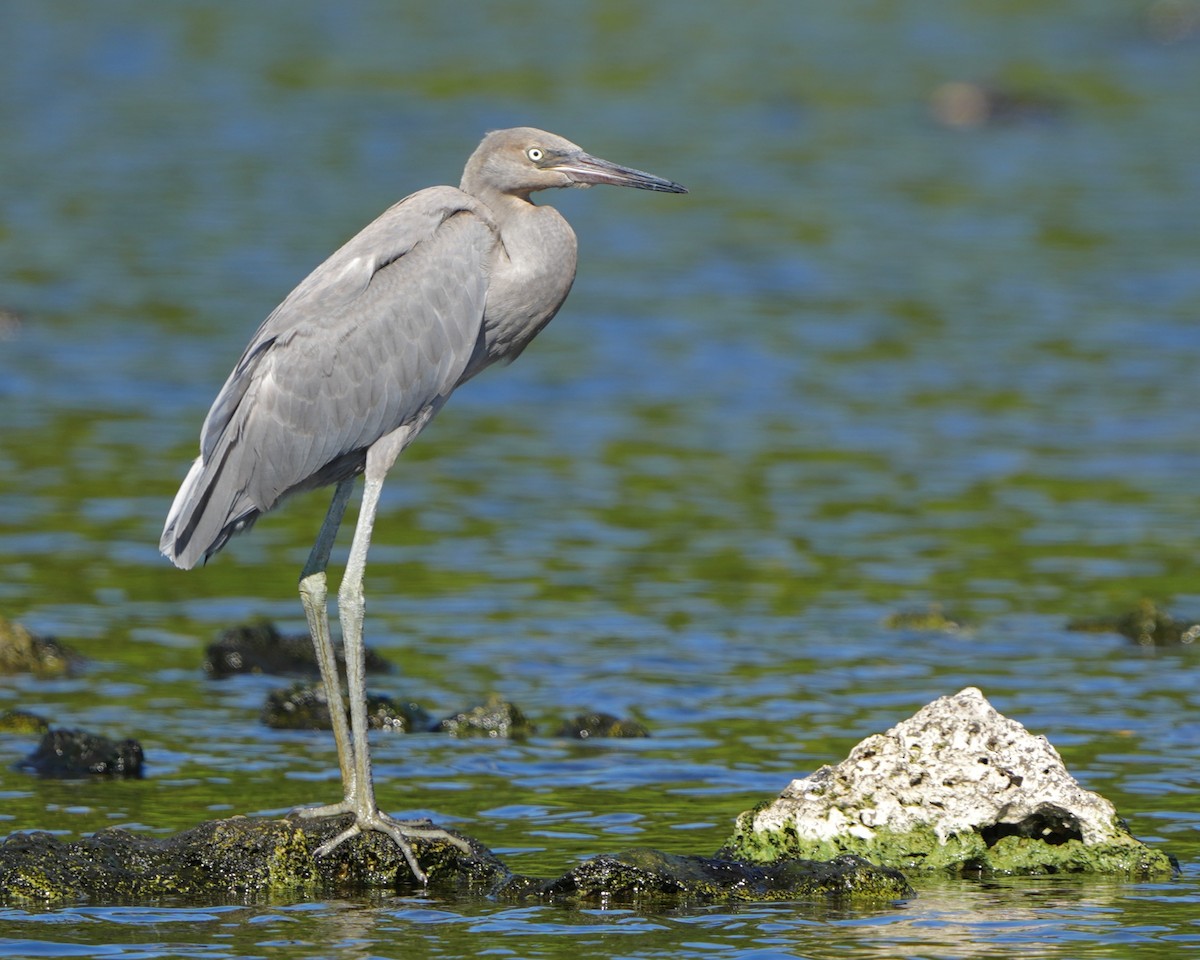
25	652
303	706
957	787
243	859
495	717
965	854
239	859
644	877
259	647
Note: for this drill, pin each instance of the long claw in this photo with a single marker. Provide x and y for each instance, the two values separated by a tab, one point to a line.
400	831
325	810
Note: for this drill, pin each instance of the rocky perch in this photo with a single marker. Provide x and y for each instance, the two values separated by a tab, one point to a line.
253	859
956	788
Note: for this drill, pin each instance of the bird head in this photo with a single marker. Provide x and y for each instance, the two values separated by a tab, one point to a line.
521	160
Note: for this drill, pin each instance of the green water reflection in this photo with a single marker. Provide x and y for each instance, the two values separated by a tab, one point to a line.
872	363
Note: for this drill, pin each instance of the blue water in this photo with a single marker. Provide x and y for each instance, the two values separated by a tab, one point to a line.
873	363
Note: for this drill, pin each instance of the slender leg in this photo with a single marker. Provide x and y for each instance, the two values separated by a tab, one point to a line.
314	595
351	610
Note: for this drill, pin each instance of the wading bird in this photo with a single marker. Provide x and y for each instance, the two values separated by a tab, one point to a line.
356	361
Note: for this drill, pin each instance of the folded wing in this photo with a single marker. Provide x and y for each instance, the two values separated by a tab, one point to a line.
373	340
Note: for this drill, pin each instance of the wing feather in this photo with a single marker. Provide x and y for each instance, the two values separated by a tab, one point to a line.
370	341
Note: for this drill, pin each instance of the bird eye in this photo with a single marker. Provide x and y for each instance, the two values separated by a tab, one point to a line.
534	153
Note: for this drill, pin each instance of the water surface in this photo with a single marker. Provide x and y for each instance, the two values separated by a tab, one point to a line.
872	363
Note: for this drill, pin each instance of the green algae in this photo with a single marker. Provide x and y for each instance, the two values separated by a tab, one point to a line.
24	652
968	853
243	859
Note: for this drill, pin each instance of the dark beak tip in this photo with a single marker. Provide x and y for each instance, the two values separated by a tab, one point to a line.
588	170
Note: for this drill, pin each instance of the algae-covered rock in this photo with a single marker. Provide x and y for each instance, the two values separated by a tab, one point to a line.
25	652
76	754
495	717
22	721
261	648
596	726
239	858
957	787
929	620
303	706
1147	625
646	876
244	859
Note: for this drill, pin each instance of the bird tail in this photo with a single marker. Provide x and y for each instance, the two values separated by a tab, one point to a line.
204	515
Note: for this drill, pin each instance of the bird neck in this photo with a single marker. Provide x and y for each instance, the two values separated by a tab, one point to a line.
505	207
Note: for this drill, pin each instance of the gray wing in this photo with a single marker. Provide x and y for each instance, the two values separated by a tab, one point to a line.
374	339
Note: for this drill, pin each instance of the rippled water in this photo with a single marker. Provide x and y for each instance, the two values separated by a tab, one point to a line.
871	363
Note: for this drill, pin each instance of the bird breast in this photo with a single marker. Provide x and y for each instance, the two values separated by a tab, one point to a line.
531	274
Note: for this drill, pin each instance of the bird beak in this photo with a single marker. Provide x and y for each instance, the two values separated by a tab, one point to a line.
584	170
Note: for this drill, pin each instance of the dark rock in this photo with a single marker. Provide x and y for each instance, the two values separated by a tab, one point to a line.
1147	625
244	859
588	726
24	652
240	858
963	104
930	620
303	706
20	721
646	876
76	754
494	718
261	648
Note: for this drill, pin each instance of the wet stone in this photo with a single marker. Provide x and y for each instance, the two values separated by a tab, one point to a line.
21	721
1147	625
644	876
495	717
25	652
243	859
956	788
261	648
590	726
932	619
238	859
77	754
964	104
303	706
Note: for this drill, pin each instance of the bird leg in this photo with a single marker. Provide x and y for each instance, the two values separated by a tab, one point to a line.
314	595
351	608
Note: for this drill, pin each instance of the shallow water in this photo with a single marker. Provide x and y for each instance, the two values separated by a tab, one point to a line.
870	364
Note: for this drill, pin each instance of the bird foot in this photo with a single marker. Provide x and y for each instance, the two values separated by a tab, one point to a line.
325	810
399	830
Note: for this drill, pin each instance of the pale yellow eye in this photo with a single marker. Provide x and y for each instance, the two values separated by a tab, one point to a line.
535	154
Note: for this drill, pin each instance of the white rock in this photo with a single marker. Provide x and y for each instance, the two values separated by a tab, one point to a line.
957	766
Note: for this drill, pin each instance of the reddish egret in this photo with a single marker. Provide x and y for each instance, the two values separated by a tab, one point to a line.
354	363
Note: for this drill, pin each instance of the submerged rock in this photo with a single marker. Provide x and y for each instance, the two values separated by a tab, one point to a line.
643	875
246	859
261	648
1147	625
240	858
956	787
22	721
495	717
25	652
964	105
594	726
77	754
931	619
303	706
